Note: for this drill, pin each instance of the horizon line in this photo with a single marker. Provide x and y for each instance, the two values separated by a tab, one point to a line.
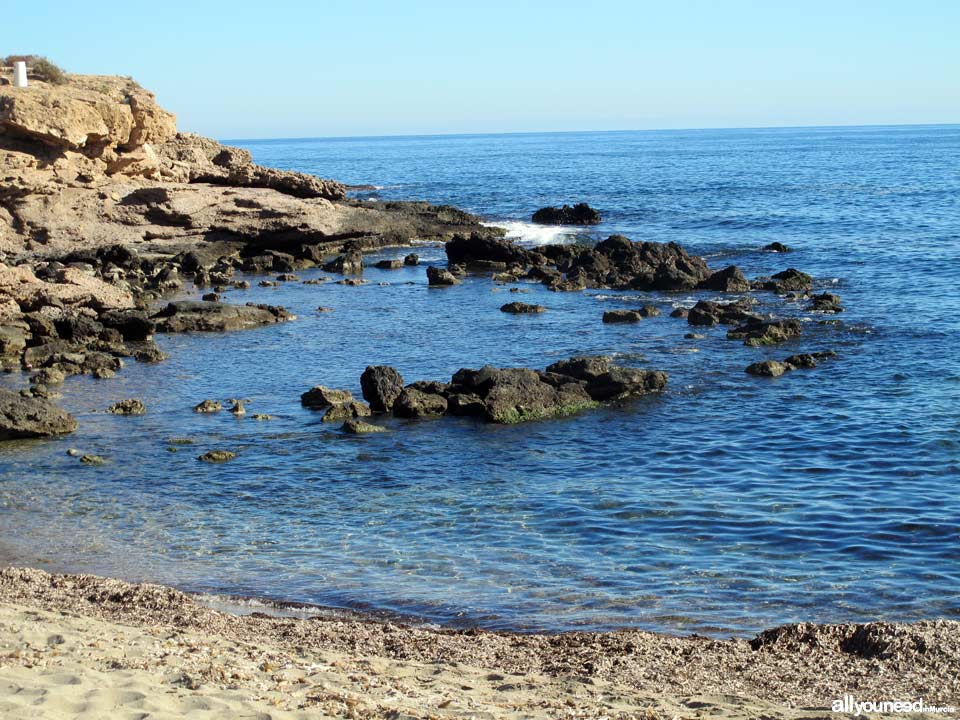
575	132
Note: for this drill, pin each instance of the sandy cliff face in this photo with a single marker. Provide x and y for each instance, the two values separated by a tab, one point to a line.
97	162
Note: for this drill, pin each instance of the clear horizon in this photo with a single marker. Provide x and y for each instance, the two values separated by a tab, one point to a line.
575	132
234	70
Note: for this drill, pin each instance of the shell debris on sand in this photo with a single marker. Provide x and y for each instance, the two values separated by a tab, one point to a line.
84	646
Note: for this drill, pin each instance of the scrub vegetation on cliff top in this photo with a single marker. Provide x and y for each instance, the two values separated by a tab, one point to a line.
39	68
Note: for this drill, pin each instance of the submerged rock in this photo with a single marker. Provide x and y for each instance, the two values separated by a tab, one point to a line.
777	247
381	385
191	316
519	308
775	368
93	459
130	406
359	427
771	332
622	316
208	406
217	456
768	368
22	417
579	214
809	360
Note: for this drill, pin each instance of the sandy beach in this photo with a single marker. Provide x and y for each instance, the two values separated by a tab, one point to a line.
79	646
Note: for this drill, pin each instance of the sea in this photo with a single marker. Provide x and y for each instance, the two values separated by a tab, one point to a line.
728	504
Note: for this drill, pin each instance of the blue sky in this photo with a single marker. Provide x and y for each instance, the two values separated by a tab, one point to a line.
296	69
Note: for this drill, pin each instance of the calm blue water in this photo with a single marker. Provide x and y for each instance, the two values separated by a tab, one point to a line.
729	504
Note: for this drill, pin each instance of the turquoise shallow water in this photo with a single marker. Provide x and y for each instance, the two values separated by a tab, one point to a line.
728	504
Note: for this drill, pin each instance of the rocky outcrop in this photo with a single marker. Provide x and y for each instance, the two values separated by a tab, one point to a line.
579	214
96	162
130	406
513	395
22	417
707	313
438	277
730	279
772	332
776	368
482	250
421	400
381	386
321	397
189	158
346	411
790	280
192	316
825	303
616	263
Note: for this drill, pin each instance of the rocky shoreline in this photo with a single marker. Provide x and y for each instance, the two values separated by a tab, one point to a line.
105	209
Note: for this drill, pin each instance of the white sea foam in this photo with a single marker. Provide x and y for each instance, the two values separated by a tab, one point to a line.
527	233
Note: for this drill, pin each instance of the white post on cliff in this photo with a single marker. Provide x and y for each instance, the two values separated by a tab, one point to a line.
20	74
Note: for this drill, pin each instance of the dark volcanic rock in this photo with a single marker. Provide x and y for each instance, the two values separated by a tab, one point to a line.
191	316
22	417
622	264
707	312
790	280
775	368
809	360
381	385
476	248
411	259
649	311
825	303
777	247
730	279
519	308
579	214
438	277
771	332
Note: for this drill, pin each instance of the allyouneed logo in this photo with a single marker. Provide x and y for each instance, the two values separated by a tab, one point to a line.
847	704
